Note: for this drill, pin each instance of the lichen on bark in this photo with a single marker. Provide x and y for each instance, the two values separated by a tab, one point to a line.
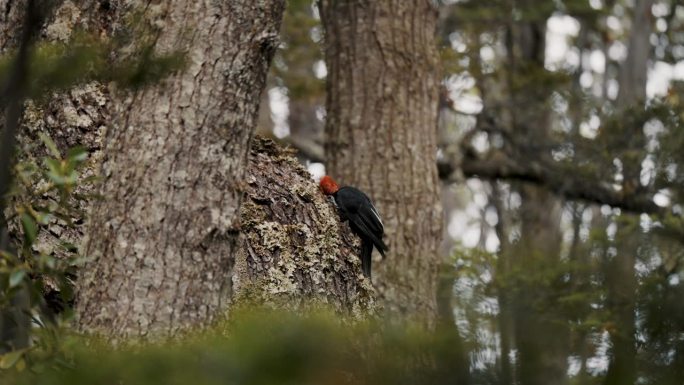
182	276
295	251
164	238
74	117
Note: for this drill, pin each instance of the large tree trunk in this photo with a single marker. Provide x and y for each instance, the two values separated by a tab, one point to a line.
162	242
381	133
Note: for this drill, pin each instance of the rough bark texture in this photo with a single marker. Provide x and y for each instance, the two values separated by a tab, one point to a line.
75	117
69	118
295	251
381	135
163	241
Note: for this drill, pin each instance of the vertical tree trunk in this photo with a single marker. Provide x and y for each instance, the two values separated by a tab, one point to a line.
381	133
540	333
540	337
163	240
621	302
634	71
621	274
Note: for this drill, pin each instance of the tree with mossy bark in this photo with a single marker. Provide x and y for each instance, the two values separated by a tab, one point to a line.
166	247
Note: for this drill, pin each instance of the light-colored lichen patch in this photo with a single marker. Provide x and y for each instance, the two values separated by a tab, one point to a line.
66	15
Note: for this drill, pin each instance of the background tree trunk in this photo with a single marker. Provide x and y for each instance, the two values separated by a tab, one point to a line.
539	336
381	133
162	243
620	270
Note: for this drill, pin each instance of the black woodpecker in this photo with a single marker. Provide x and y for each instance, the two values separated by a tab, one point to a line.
364	220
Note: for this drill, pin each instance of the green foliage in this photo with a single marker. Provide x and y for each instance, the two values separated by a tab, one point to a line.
48	192
261	347
58	66
43	195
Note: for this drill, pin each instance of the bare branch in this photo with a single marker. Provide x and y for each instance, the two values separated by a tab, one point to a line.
560	182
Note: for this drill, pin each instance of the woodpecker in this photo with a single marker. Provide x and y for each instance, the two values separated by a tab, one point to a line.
364	220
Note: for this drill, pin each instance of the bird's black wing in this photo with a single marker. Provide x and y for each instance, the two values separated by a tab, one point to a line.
367	235
362	215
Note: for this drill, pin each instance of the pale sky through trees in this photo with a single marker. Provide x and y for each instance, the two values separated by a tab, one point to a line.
465	225
518	165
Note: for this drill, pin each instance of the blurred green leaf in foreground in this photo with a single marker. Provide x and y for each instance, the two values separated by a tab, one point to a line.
259	347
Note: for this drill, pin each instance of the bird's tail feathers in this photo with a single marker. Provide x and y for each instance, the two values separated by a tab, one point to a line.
382	247
366	253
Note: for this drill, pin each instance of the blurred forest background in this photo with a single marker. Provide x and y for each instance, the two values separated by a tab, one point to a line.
559	143
525	159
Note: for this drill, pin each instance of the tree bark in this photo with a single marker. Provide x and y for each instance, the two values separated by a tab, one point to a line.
14	319
381	134
634	71
295	251
69	118
163	241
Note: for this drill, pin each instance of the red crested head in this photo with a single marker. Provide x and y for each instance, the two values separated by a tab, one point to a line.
328	185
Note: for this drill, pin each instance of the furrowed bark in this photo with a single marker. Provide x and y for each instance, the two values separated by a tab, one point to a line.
28	119
381	135
163	241
70	118
14	320
295	251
